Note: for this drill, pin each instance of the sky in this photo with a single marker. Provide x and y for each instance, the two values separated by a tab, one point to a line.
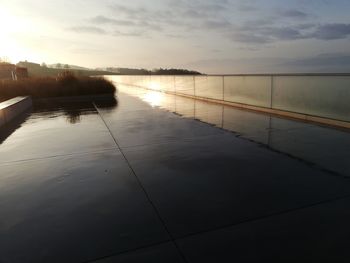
212	36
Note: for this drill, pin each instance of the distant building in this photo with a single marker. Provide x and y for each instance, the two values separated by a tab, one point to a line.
12	72
27	64
21	72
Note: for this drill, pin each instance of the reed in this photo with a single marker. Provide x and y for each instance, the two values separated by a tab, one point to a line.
65	84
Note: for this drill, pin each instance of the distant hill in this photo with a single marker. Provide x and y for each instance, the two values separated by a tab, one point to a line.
52	70
128	71
37	70
174	71
161	71
67	66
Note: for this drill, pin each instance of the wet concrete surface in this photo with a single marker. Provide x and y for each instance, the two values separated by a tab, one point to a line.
72	209
160	178
215	176
313	234
166	252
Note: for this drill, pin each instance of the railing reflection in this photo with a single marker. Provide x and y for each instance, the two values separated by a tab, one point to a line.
321	146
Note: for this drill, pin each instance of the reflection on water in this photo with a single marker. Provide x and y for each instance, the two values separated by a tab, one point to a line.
154	99
325	147
73	111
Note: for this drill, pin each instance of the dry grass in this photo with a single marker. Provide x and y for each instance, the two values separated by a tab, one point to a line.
65	85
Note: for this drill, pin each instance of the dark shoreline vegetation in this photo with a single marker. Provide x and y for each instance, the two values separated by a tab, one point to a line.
65	85
37	70
160	71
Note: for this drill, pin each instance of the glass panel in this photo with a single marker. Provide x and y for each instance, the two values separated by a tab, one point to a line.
209	87
326	96
167	83
185	106
155	83
209	112
251	90
184	85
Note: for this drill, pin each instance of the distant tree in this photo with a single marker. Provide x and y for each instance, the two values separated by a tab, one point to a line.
44	65
4	60
58	65
66	66
173	71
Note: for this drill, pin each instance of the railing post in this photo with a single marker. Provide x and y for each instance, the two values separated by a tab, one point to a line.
271	95
223	88
194	85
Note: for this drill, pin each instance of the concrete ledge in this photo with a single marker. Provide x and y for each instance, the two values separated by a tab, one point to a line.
12	108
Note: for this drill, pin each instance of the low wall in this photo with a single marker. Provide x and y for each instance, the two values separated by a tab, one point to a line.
12	108
311	97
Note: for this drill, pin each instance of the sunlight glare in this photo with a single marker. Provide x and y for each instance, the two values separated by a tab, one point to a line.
10	47
155	99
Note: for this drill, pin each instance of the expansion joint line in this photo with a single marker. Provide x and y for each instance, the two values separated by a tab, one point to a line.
141	185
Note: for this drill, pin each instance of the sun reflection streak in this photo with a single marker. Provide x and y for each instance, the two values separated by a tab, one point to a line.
155	99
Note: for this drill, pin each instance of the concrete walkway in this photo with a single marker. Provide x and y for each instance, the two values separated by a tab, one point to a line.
138	183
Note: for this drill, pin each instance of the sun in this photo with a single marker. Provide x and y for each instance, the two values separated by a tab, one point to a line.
9	50
10	47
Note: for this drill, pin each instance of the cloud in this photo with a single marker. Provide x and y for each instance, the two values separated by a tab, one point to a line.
148	19
170	35
247	8
329	62
128	10
88	29
128	34
332	31
249	38
212	8
251	24
255	33
196	15
305	26
265	34
216	24
293	13
200	16
101	20
203	6
117	24
323	63
199	9
283	33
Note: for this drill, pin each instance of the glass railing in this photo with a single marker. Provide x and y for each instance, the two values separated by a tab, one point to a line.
324	95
